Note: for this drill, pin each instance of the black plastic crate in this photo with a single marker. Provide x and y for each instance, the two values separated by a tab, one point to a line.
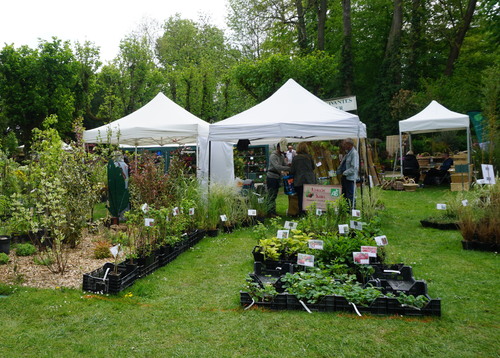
100	282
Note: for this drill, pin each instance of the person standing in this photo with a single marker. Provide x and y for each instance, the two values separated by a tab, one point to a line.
276	167
349	168
290	154
411	168
302	170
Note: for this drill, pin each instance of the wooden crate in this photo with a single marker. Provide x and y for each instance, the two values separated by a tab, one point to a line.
460	178
459	186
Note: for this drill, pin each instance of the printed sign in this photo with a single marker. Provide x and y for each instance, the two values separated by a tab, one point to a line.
361	258
356	213
282	234
381	240
371	250
305	260
320	194
488	174
441	206
316	244
252	212
343	229
149	222
291	225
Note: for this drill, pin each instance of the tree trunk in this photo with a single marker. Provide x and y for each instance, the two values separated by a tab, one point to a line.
414	70
321	24
301	26
459	38
347	71
393	44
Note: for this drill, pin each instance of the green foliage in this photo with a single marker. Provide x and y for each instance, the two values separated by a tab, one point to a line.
101	250
412	301
260	293
4	258
26	249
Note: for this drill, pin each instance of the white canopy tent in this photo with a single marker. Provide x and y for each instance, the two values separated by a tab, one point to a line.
434	118
160	122
291	112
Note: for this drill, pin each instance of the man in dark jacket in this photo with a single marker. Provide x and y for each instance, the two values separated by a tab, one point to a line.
276	167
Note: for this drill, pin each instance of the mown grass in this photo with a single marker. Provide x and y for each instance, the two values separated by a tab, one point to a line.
190	308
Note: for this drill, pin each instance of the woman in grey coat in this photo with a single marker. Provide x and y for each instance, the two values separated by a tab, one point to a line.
303	172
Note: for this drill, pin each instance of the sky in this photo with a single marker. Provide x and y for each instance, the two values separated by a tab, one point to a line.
104	22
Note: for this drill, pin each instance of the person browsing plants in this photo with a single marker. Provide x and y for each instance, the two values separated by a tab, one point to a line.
349	168
302	170
276	167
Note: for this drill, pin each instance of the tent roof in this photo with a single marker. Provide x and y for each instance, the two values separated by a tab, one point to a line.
159	122
291	112
434	118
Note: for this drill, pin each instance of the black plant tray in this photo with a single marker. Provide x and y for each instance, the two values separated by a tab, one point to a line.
95	281
397	279
480	246
273	268
381	305
440	226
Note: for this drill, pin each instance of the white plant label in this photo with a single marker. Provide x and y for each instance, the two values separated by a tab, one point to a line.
356	213
319	212
191	211
252	212
488	174
305	260
145	208
381	240
315	244
115	250
290	225
331	173
361	258
371	250
175	211
318	164
149	222
465	202
441	206
282	234
260	200
358	225
343	229
223	218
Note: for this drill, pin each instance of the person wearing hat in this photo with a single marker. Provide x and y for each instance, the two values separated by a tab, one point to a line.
411	168
349	168
276	167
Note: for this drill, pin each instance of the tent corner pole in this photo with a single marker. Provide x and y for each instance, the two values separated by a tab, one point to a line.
400	152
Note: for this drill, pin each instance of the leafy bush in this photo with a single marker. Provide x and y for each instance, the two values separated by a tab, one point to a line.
4	258
44	261
25	249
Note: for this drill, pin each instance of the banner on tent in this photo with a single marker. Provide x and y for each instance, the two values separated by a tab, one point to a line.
343	103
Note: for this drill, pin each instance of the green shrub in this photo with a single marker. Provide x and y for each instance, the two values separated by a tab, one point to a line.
25	249
101	250
4	258
44	261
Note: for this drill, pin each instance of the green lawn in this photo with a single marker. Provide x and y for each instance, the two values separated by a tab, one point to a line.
190	308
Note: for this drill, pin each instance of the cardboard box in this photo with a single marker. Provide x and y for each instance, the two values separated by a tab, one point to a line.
460	186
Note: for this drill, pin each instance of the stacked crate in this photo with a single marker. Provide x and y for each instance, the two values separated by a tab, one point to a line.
460	179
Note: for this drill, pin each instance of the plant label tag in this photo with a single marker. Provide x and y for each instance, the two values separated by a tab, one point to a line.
282	234
115	250
145	208
223	218
356	213
175	211
370	181
319	212
361	258
149	222
252	212
260	200
290	225
318	164
381	240
305	260
315	244
465	202
191	211
331	173
343	229
441	206
358	225
371	250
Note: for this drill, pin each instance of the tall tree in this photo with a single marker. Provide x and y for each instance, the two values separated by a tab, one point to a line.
346	60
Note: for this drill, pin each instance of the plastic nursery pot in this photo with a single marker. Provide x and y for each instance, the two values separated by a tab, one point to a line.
5	244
